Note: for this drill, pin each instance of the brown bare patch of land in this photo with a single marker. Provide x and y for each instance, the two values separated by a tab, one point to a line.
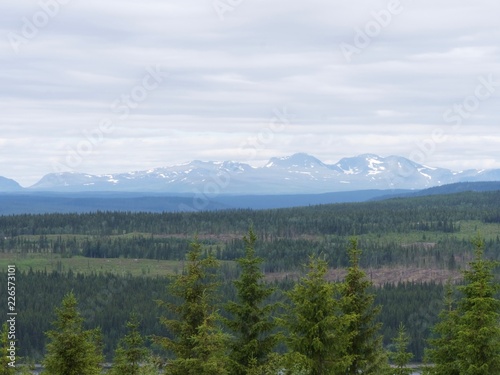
384	275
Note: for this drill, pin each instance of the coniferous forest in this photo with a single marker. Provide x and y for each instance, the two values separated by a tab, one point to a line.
335	289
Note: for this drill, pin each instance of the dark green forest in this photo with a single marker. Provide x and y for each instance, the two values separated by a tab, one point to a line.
106	301
427	236
286	236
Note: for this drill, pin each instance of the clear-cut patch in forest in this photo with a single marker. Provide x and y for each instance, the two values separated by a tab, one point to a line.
384	275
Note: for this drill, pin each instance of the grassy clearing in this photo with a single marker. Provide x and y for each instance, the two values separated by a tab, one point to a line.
468	230
152	268
81	237
471	228
406	238
78	264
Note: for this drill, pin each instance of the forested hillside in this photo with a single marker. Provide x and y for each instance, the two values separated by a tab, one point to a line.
424	232
118	263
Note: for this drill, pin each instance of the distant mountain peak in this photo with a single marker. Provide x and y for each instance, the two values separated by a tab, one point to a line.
299	173
300	160
361	164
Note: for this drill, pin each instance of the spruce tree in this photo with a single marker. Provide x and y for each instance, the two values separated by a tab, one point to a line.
195	327
467	338
131	353
401	357
209	351
250	323
478	331
442	354
366	346
318	337
71	349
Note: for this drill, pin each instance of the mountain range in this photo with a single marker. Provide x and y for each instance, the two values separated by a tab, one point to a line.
296	174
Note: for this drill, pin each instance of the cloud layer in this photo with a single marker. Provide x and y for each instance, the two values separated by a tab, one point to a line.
114	86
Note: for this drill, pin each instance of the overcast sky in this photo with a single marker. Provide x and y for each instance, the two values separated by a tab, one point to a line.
113	86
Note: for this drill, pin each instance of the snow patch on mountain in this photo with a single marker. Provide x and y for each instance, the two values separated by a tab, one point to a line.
294	174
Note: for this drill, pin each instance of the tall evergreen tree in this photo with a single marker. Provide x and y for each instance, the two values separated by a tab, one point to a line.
209	351
318	334
250	325
442	354
131	353
468	337
401	357
71	349
366	346
478	331
195	328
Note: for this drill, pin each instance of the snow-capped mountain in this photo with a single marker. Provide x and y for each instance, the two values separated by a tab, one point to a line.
295	174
